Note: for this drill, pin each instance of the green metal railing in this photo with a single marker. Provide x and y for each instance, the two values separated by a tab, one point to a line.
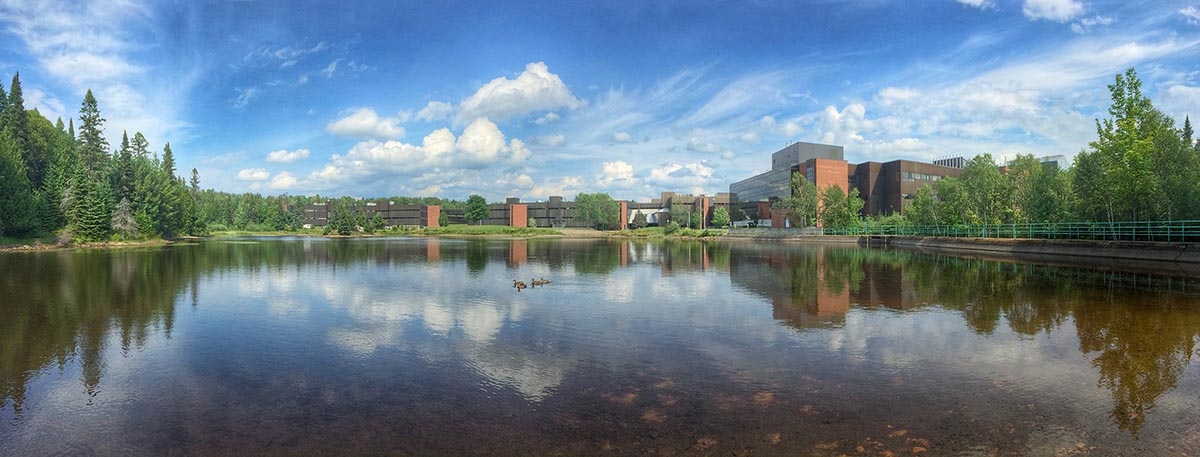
1169	231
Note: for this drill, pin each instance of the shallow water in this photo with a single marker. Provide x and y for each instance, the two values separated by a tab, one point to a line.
422	346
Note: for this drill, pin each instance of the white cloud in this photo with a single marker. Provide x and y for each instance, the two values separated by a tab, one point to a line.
891	95
441	155
547	119
365	123
567	187
1192	13
1181	101
1088	24
253	174
553	140
685	176
703	146
435	111
981	4
1052	10
535	89
622	137
98	45
330	69
285	156
244	97
283	181
617	172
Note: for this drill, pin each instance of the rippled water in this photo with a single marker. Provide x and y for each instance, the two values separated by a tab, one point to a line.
422	346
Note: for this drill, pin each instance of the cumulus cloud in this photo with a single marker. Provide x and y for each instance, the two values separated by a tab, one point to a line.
365	123
1052	10
622	137
481	145
435	111
617	172
285	156
547	119
684	176
253	174
535	89
283	181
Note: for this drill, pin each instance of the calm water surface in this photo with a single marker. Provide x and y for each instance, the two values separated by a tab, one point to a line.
422	346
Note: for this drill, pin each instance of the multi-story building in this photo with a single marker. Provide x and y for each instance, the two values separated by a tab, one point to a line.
885	187
888	187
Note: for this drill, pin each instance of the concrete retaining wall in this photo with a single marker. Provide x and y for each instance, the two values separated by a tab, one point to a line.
1017	248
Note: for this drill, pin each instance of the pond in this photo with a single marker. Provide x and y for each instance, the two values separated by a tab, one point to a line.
258	346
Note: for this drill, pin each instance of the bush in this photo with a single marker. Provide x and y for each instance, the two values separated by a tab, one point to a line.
671	228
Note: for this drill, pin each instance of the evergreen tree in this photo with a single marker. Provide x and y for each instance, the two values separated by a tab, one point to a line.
123	221
639	220
168	160
124	170
93	148
195	184
1187	131
17	120
71	128
140	147
17	204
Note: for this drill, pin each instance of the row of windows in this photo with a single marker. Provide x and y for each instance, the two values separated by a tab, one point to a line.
910	176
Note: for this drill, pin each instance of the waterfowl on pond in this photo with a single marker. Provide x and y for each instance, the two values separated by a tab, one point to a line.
518	285
539	282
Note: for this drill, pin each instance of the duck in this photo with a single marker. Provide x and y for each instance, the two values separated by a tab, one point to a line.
540	282
518	285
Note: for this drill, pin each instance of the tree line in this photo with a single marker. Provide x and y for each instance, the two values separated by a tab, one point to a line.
58	179
1140	168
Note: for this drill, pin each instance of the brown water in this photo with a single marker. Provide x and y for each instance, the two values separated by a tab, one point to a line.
422	346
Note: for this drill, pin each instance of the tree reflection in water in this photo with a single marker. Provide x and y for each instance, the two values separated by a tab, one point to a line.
1141	328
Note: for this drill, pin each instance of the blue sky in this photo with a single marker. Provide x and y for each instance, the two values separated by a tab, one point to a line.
533	99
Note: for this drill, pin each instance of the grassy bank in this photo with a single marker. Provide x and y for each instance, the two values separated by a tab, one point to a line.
662	232
452	230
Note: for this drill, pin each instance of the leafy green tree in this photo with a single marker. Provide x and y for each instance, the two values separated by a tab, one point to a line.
599	210
680	214
639	220
988	190
924	207
955	202
720	217
839	210
477	209
1117	172
443	218
803	201
697	219
1023	174
1051	199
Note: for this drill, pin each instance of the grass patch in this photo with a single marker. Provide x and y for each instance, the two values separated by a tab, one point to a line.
675	232
476	230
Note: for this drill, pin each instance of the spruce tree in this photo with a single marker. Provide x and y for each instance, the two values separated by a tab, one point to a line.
71	128
124	169
93	148
1187	131
18	121
141	147
168	160
17	204
195	184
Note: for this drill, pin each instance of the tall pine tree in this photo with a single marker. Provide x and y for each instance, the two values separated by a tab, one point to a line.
93	148
168	160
